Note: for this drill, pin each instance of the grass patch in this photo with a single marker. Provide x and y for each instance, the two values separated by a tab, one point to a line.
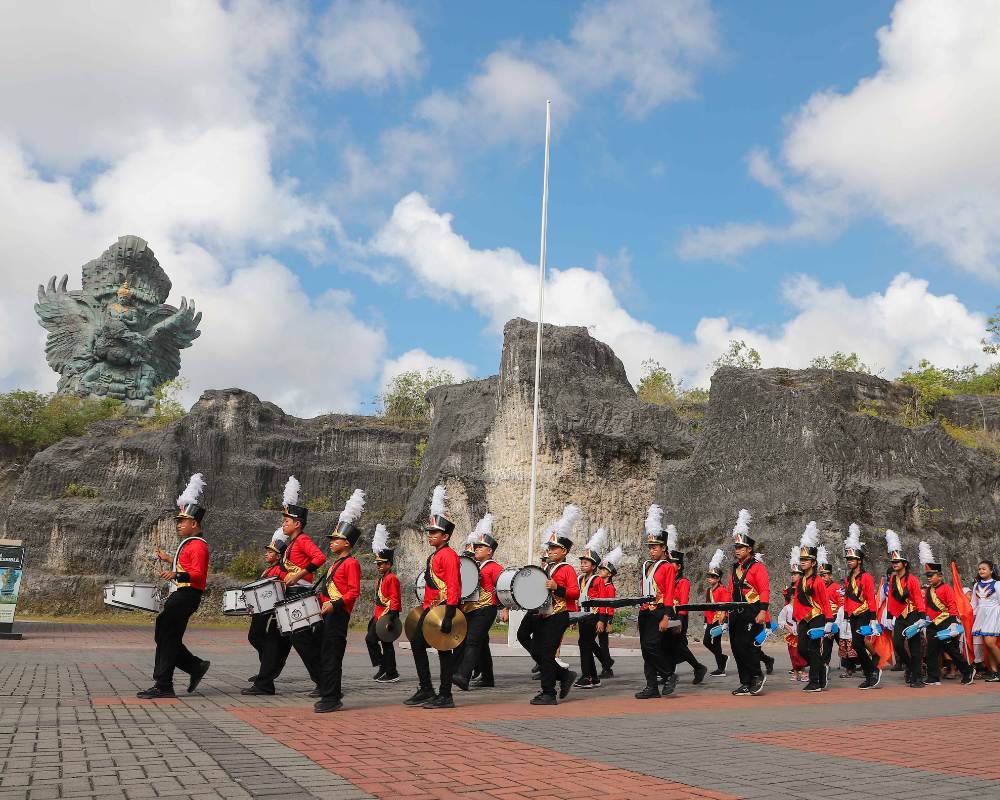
978	439
81	490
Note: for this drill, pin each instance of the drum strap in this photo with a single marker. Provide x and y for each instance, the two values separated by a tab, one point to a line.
177	555
330	586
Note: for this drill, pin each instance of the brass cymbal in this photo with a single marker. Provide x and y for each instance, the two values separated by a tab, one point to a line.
388	629
432	629
410	624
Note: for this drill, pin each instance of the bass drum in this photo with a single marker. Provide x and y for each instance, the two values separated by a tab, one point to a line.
470	578
418	587
523	589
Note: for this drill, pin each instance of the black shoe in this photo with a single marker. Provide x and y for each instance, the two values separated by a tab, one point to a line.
542	699
388	677
669	684
812	687
254	679
536	671
586	682
378	675
440	701
566	684
155	693
969	677
647	693
315	693
742	691
419	697
475	674
460	682
758	685
768	664
482	683
607	673
699	673
917	685
718	673
992	677
256	690
198	675
326	706
876	678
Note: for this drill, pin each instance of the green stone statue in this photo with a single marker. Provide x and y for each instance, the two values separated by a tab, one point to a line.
116	337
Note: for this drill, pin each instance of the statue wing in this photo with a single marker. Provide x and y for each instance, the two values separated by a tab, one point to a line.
173	329
68	318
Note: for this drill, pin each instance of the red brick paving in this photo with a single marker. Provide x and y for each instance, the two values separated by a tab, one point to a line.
975	757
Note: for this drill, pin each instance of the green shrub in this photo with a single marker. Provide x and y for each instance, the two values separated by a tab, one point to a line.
81	490
658	386
32	421
405	398
246	564
837	360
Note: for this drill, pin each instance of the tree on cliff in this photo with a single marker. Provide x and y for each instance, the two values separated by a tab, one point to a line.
848	362
405	398
739	354
31	421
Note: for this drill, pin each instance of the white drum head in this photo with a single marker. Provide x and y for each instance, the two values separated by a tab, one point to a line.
528	588
470	577
419	585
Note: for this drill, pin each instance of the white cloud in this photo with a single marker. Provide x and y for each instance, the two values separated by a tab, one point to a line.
420	360
369	44
889	330
914	143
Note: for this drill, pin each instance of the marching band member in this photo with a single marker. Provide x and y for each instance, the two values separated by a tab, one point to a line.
786	624
481	613
833	596
526	628
716	593
986	622
658	578
444	587
945	629
861	607
907	607
605	616
591	588
388	602
749	583
301	560
272	648
190	573
811	610
340	591
676	640
551	623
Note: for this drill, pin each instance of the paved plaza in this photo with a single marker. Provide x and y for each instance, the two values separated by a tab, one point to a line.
71	727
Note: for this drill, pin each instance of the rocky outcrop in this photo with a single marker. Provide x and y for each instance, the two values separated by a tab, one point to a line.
970	411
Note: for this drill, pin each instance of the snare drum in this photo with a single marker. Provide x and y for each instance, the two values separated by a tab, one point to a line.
263	595
470	578
523	589
234	603
137	596
109	597
297	613
419	585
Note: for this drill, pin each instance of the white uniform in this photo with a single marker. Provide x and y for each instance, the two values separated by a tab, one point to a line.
986	607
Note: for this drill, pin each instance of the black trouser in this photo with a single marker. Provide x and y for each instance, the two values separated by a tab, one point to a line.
742	631
587	629
526	631
382	654
676	642
479	622
827	649
714	646
654	655
308	644
333	645
545	641
604	647
812	649
272	649
950	646
484	664
171	623
910	652
446	660
868	662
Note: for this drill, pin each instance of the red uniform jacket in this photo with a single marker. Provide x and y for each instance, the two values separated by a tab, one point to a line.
607	590
720	594
905	596
302	553
276	571
444	581
488	574
664	582
941	603
810	599
567	590
345	583
388	596
682	594
835	594
191	564
859	595
756	584
595	590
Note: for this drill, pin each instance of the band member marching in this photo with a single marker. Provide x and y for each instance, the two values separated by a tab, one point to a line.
444	587
189	571
861	606
301	560
906	604
834	599
388	602
749	583
944	632
811	611
591	588
340	590
480	613
272	648
676	640
716	593
551	623
658	578
606	615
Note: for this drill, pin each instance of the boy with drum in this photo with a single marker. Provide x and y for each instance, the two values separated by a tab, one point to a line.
272	648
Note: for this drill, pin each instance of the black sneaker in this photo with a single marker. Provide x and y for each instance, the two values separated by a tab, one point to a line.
594	683
388	677
197	675
757	686
669	684
742	691
992	677
441	701
482	683
256	690
326	706
876	678
969	677
647	693
378	675
566	684
419	697
155	693
586	682
607	673
542	699
460	682
316	693
917	685
768	663
718	673
932	683
254	679
699	674
812	687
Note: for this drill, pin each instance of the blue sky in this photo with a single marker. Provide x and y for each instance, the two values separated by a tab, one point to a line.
353	188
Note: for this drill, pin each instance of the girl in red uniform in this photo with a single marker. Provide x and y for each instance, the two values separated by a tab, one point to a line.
861	607
905	603
388	603
716	593
676	640
606	616
811	610
591	588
